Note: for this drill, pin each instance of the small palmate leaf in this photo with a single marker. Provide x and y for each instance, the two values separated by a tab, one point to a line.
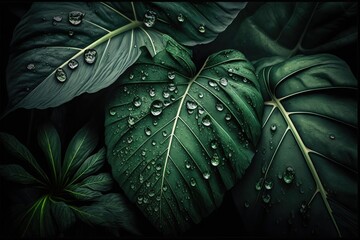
61	50
303	181
20	152
110	210
90	165
80	147
16	173
63	215
49	142
176	142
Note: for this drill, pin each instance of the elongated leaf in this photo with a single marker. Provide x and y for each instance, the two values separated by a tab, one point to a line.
46	39
90	165
80	147
50	144
290	28
63	215
16	173
176	145
110	210
20	152
306	167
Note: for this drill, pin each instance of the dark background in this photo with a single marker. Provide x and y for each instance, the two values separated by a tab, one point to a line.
224	222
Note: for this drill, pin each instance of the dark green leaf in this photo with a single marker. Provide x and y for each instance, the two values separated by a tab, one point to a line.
101	182
290	28
50	144
310	125
90	165
80	147
20	152
82	193
45	40
110	210
63	215
177	159
16	173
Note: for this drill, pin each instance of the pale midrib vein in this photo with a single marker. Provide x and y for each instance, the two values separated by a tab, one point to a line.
173	132
308	161
51	156
150	39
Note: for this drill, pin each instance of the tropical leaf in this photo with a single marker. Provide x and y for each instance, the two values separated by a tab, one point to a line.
61	50
303	180
16	173
82	193
176	142
90	165
63	215
109	210
101	182
49	142
20	152
289	28
80	147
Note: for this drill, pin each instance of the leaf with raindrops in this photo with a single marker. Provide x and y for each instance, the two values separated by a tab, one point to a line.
177	140
62	50
303	179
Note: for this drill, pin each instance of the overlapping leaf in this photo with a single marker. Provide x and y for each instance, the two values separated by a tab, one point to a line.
303	179
177	141
50	35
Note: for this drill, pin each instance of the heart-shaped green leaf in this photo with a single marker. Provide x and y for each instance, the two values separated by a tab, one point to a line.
176	142
61	50
303	179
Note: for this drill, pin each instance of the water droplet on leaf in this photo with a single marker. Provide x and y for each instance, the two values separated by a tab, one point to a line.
192	182
90	56
273	128
268	185
215	160
190	105
201	28
219	107
266	198
75	17
137	101
147	131
171	75
73	64
224	82
206	121
30	66
156	107
149	18
60	75
206	175
180	18
289	175
227	117
332	136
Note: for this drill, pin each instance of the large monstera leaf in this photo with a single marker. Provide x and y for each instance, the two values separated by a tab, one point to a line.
289	28
303	178
177	141
61	50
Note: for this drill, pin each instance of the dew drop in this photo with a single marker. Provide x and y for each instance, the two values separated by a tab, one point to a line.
90	56
153	142
143	152
156	107
164	133
273	128
212	83
192	182
137	101
246	204
131	121
60	75
147	131
131	76
166	102
180	18
214	144
215	160
151	92
219	107
201	28
206	121
268	185
187	164
200	95
245	80
30	66
112	112
266	198
71	33
151	193
166	94
171	87
158	167
190	105
224	82
332	136
75	17
129	139
171	75
73	64
259	184
140	199
206	175
227	117
149	18
201	111
289	175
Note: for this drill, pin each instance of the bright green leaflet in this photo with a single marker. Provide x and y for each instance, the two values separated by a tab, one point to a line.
51	204
177	140
42	44
310	125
